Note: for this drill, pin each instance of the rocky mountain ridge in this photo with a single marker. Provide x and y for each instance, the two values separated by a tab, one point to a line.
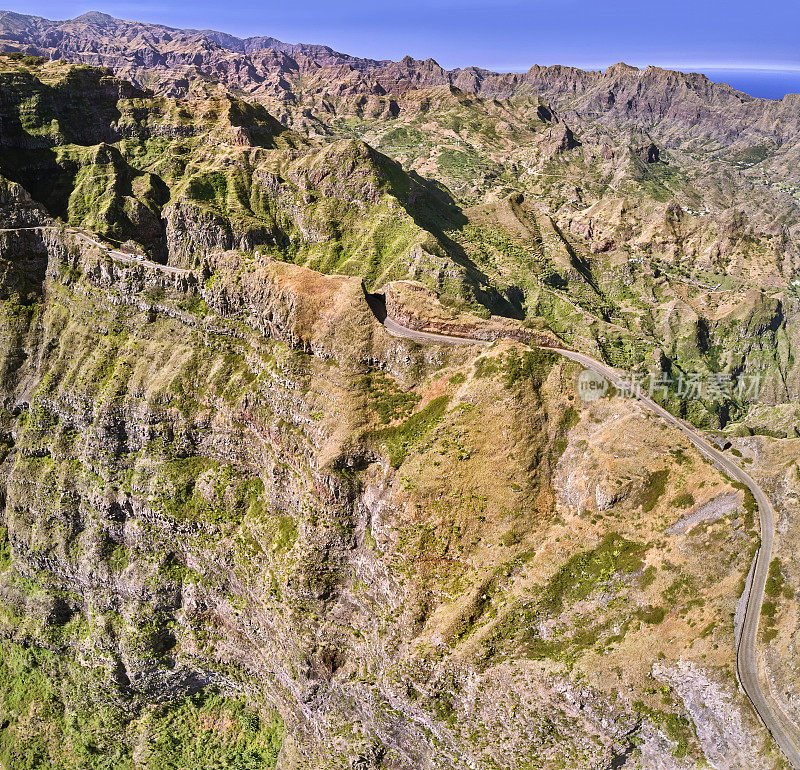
242	525
183	178
674	105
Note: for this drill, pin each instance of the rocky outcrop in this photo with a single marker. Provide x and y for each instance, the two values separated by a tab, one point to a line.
649	153
417	307
225	511
724	729
192	232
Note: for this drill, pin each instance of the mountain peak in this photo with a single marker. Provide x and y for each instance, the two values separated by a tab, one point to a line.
94	17
620	68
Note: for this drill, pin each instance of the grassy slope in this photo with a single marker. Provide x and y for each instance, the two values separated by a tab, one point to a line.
345	208
488	555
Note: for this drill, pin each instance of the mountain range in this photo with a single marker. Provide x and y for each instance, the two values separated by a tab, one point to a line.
243	523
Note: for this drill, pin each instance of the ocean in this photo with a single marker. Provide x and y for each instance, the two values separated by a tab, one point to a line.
766	84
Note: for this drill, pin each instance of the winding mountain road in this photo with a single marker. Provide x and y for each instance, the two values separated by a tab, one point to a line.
120	256
785	733
428	338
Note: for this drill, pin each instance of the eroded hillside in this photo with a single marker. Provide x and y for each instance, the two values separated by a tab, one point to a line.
247	485
243	525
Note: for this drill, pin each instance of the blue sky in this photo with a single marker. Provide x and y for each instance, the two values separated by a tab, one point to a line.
499	35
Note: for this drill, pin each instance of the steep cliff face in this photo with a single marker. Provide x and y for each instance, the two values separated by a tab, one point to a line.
235	482
241	525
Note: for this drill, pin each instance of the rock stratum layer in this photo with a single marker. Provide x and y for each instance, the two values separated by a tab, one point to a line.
243	526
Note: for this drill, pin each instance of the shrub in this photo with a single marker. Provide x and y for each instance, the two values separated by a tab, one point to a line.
774	585
59	714
653	490
586	571
651	615
386	399
683	500
400	439
532	364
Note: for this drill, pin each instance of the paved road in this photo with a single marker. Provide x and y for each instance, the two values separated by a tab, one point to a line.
785	733
122	256
428	338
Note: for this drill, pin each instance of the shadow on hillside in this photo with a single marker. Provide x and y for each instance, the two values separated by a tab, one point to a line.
377	304
434	209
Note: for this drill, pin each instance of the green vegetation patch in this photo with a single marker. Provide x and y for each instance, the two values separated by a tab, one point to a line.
5	550
399	440
227	496
584	572
676	727
775	582
679	589
387	400
57	714
532	365
683	500
653	489
775	588
569	419
208	730
486	367
750	504
651	615
577	579
464	166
